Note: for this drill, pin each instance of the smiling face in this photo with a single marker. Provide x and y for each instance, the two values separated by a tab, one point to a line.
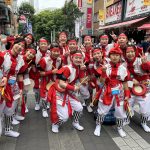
88	42
18	47
55	53
72	47
43	46
77	59
130	53
29	55
122	41
97	56
104	41
63	38
28	39
115	58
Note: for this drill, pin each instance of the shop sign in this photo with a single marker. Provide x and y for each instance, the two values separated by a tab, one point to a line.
113	12
89	18
79	3
136	7
147	2
110	2
89	1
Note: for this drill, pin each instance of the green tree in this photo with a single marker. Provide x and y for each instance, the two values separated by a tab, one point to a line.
27	9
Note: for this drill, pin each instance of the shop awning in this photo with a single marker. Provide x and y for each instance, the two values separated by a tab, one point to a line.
127	23
145	26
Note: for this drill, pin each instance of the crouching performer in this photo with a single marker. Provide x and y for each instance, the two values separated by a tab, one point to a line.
113	92
63	94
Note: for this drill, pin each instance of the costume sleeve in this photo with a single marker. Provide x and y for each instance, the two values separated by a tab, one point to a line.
146	66
42	63
1	58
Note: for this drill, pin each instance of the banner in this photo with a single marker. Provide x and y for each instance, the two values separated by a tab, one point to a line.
101	14
147	2
89	18
89	1
80	3
113	12
136	7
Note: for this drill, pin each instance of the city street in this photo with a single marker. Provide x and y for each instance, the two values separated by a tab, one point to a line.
36	135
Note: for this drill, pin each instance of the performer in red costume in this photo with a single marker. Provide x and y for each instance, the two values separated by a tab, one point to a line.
49	66
63	97
11	62
113	91
139	68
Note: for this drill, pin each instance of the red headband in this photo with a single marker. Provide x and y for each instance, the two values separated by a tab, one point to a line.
87	37
104	37
43	40
129	49
55	49
30	36
122	35
62	34
77	54
97	50
73	41
32	51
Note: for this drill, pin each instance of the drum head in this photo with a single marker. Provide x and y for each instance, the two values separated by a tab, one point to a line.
139	90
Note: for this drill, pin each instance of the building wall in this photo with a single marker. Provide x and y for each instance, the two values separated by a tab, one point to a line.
98	4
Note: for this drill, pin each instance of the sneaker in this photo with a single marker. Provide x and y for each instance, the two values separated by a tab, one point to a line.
44	113
145	127
55	128
15	122
77	126
97	131
126	122
89	109
19	118
83	104
27	110
12	133
37	107
121	132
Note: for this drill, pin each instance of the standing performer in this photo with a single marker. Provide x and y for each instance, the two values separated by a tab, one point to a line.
49	66
139	69
113	91
62	94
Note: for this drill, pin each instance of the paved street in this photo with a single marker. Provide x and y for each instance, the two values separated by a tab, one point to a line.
36	135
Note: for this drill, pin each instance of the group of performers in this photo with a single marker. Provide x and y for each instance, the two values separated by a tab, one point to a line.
108	75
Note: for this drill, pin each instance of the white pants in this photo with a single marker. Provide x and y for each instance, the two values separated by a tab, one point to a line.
119	110
84	92
62	111
143	102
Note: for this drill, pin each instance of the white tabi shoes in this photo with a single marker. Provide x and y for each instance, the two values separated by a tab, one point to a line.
145	127
12	133
1	127
37	107
77	126
55	128
89	109
44	113
15	121
121	132
19	118
97	131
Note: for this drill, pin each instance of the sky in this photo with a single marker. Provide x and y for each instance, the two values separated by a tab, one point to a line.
47	3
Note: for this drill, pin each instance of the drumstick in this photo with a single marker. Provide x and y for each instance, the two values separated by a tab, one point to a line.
2	91
29	61
129	111
53	66
83	81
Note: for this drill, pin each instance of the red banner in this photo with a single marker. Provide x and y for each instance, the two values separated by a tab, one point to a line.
79	3
89	18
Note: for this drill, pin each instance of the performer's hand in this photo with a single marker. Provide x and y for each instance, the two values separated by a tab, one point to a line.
66	54
76	88
135	82
54	71
113	36
104	68
3	81
82	67
143	58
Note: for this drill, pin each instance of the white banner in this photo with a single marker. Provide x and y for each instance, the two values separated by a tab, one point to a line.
136	7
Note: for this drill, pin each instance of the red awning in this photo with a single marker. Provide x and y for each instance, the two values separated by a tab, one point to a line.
145	26
127	23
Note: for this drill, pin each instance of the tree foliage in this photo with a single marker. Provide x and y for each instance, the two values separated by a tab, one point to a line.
27	9
59	19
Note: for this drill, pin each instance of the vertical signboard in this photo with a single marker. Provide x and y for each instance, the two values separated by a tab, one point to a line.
89	18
